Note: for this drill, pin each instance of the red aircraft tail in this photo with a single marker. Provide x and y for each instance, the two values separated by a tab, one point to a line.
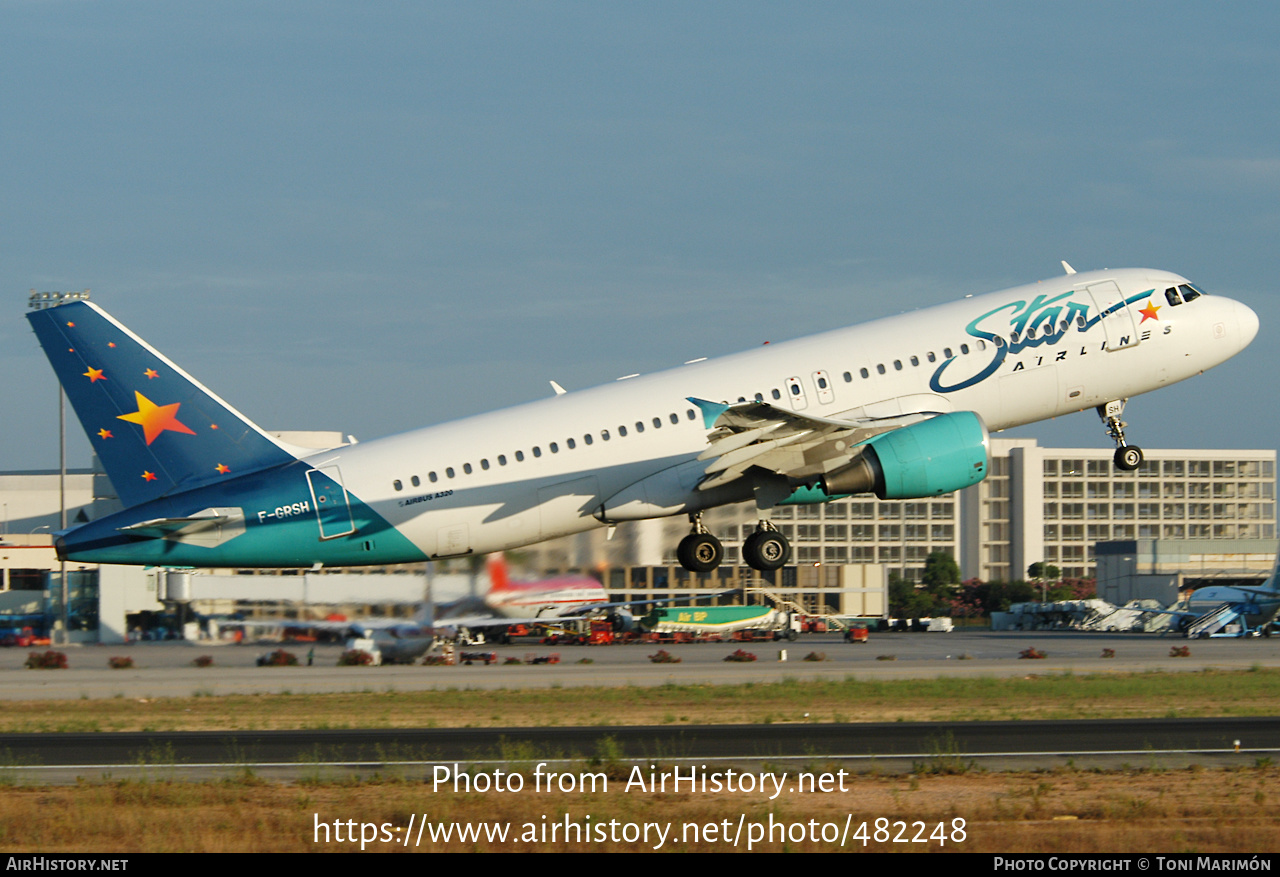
497	567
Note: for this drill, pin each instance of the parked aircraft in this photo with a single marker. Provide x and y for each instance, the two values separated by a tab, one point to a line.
1220	607
899	407
562	595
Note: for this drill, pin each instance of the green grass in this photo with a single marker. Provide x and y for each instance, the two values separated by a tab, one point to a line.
1049	697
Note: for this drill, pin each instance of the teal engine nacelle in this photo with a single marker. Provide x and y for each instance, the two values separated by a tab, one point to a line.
937	456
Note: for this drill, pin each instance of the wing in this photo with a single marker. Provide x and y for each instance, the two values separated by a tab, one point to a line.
478	622
802	447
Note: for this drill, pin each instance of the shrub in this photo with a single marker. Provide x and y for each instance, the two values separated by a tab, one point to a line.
664	657
120	663
1180	652
279	658
1108	653
741	656
203	661
49	660
355	658
816	656
1031	653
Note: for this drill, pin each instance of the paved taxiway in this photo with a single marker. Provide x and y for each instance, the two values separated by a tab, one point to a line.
166	670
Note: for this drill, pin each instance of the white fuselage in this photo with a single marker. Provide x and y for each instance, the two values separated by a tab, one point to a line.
546	468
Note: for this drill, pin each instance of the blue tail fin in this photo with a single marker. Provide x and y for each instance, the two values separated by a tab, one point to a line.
156	430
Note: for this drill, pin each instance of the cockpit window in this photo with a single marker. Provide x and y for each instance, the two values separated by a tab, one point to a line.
1172	297
1189	293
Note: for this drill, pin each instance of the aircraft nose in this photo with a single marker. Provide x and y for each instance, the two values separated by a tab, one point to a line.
1247	320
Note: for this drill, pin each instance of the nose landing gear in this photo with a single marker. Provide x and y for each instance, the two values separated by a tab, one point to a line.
1127	457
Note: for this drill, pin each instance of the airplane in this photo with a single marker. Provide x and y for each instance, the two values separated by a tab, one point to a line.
563	595
900	407
1217	607
542	602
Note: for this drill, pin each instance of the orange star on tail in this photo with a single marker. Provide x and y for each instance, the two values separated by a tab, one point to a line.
155	419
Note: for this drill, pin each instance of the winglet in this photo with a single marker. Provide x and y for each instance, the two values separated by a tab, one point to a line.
711	411
1067	268
560	391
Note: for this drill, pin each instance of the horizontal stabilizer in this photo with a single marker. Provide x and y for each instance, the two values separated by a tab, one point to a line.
209	528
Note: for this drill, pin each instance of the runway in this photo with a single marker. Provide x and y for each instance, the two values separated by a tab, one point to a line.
825	748
166	670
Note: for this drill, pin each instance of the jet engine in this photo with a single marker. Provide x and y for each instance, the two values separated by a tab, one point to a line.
936	456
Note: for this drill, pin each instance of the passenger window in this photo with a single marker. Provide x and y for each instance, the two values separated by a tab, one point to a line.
759	397
537	451
776	394
555	448
657	423
964	348
622	432
466	467
571	443
915	360
795	389
640	423
449	472
689	413
848	378
932	357
946	351
415	481
897	365
502	460
880	368
587	438
431	476
864	372
604	434
822	383
397	485
675	418
519	456
484	464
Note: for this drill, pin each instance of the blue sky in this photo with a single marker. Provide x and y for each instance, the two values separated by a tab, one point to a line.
372	217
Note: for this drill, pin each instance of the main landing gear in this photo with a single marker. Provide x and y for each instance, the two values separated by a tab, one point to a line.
699	551
765	549
1128	457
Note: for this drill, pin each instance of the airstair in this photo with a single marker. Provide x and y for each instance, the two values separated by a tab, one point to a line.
1215	621
784	604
